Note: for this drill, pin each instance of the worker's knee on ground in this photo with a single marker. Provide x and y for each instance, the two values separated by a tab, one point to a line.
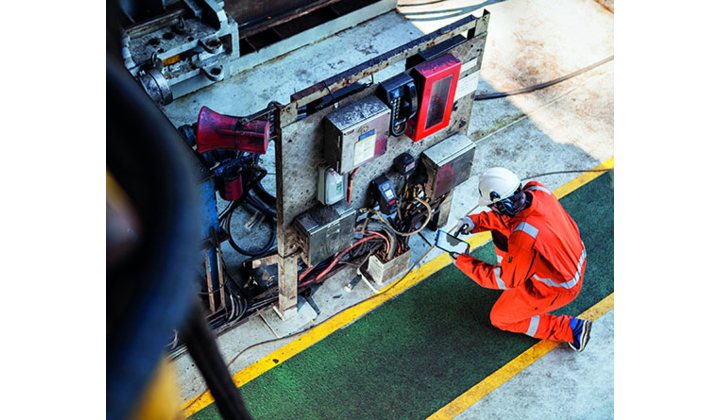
498	318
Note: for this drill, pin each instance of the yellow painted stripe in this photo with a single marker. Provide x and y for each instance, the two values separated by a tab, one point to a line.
583	179
344	318
502	375
323	330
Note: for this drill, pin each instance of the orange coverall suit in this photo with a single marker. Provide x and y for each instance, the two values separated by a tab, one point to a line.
540	270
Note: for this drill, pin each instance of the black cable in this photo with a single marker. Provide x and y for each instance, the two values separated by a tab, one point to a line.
223	213
264	195
362	260
259	205
543	85
425	239
237	293
262	173
204	350
568	172
150	291
231	240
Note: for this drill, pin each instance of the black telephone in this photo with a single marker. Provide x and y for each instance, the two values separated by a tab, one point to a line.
400	94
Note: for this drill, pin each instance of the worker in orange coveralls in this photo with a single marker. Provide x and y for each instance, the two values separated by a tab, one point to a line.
541	258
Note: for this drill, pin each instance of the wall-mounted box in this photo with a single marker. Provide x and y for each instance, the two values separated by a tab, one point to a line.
436	82
323	231
356	134
448	164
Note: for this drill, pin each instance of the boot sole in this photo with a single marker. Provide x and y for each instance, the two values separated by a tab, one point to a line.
584	337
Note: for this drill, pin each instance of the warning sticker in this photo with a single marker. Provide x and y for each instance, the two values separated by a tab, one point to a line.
365	148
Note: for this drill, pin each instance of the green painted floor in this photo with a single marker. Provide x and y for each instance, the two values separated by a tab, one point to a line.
419	351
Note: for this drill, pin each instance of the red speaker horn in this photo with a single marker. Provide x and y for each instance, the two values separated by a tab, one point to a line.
217	131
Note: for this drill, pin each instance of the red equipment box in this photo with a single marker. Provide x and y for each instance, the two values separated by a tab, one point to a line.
436	81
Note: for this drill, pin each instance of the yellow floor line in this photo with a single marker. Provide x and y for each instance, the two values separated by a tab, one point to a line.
323	330
502	375
344	318
583	179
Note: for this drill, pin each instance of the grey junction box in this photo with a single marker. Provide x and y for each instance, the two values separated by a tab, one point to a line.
356	134
323	231
448	164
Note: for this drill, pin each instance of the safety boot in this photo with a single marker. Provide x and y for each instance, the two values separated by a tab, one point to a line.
581	334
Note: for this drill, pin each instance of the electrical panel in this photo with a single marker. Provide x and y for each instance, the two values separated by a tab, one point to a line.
323	231
331	185
448	164
356	134
436	83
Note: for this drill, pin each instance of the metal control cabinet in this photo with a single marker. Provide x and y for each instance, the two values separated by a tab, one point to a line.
448	164
356	134
323	231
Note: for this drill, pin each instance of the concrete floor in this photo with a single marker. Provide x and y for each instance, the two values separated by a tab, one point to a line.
567	126
563	384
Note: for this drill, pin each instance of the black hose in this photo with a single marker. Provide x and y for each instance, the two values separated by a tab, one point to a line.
228	223
543	85
257	179
261	192
203	348
264	195
151	292
259	205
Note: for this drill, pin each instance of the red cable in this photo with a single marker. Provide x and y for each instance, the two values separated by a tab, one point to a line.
350	182
309	269
387	242
332	264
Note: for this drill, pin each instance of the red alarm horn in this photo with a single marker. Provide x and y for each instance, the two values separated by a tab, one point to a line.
217	131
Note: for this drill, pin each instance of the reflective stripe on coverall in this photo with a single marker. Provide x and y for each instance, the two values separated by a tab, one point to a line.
540	270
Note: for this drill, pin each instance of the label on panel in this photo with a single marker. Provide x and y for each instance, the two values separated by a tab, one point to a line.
365	148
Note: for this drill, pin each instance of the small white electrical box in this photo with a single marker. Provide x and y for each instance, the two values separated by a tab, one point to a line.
331	185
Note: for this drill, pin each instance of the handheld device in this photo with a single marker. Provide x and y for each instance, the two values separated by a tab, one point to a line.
449	243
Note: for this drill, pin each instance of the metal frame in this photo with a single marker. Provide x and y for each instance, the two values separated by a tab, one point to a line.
300	140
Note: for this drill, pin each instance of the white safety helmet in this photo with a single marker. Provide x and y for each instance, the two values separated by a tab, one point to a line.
498	185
